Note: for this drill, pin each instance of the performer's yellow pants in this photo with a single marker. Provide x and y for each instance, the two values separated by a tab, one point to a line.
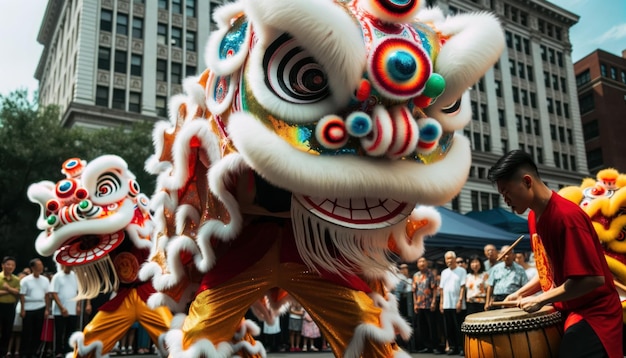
110	327
216	313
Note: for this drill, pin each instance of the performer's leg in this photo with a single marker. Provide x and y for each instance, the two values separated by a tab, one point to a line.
339	311
154	321
107	328
216	313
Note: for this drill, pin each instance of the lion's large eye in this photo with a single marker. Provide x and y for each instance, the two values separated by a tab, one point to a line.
597	191
108	183
293	74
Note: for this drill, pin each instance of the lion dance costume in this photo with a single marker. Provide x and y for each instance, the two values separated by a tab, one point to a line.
604	200
96	220
297	166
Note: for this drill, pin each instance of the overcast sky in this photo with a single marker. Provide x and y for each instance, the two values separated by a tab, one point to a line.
602	25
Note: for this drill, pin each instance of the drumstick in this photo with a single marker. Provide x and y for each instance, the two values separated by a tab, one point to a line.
503	253
505	304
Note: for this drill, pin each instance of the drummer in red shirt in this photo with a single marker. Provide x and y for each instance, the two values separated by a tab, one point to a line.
576	277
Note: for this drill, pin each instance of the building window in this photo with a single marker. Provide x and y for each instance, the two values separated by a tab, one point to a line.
557	159
586	103
512	67
515	94
177	73
550	105
498	86
551	56
553	131
572	162
536	127
518	122
456	203
518	43
122	24
527	127
162	34
483	113
555	82
582	78
566	110
190	70
177	37
478	145
161	70
104	58
509	39
137	28
163	4
134	102
563	85
565	161
591	130
561	134
570	137
120	61
540	155
505	145
119	97
624	77
544	56
613	73
546	79
106	20
501	118
533	100
474	106
559	58
603	70
161	106
487	143
521	69
529	73
135	65
102	96
177	7
594	158
191	40
524	94
557	106
190	8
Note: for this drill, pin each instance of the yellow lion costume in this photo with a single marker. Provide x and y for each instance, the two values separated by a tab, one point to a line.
604	200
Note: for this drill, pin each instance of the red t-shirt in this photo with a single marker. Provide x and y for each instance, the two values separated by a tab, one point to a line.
573	249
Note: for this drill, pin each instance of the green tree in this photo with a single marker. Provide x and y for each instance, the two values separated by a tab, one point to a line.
33	145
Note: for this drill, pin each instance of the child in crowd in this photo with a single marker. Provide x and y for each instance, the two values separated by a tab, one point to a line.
295	326
310	332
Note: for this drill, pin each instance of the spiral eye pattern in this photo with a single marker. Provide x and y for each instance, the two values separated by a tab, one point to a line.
133	188
399	68
292	74
331	132
66	188
359	124
108	183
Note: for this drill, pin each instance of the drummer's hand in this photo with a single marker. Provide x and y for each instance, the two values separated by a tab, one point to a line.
512	297
530	304
487	305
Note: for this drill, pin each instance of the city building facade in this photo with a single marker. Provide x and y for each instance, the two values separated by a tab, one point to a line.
108	62
601	82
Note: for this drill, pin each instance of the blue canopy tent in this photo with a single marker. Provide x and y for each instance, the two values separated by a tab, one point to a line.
501	218
467	236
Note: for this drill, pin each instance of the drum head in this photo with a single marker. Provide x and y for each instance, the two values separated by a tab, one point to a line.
509	320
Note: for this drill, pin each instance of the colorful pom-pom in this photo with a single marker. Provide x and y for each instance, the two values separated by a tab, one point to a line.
331	132
435	86
359	124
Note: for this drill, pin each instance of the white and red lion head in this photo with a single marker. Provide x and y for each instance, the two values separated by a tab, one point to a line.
352	106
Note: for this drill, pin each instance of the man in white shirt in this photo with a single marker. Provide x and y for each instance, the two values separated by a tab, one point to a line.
452	292
63	290
35	307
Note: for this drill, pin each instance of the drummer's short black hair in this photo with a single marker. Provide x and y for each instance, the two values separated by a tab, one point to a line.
510	164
